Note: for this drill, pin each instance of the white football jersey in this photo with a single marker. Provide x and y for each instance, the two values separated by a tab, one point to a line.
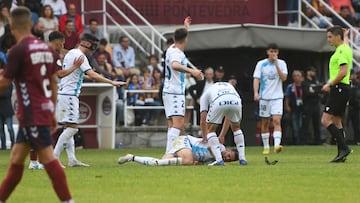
174	80
270	82
71	84
200	150
217	89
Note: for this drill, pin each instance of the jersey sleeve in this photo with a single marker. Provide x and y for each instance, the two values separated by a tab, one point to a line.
204	101
85	66
342	57
175	56
283	67
14	65
257	71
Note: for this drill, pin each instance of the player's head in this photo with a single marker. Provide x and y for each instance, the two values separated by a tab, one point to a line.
335	35
272	51
57	40
180	35
90	42
230	155
20	21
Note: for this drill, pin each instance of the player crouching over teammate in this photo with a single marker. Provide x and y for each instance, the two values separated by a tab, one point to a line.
185	150
217	102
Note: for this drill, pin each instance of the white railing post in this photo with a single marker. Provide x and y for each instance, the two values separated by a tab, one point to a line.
276	10
105	21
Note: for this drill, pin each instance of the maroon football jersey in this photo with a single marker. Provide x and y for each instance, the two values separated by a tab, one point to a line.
30	65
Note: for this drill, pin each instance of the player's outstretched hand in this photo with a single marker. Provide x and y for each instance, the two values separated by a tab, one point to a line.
197	74
118	83
187	22
78	61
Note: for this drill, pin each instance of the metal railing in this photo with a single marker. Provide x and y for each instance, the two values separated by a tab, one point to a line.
156	39
128	107
301	14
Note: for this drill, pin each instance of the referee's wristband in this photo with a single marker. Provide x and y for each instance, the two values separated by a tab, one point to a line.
329	83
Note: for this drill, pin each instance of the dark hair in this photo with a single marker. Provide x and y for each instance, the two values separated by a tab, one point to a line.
121	38
153	56
93	20
236	154
68	21
180	34
43	11
21	17
272	46
344	7
103	41
170	41
336	30
92	39
54	35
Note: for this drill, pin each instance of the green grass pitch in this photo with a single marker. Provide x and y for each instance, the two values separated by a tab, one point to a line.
303	174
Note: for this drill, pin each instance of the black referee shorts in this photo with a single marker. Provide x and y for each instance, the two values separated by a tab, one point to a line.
337	100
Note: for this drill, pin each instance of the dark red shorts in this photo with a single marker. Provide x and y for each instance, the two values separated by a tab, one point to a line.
37	137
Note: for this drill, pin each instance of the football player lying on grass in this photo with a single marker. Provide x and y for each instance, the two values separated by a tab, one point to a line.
186	150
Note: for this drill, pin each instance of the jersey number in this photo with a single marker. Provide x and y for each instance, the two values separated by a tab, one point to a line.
46	82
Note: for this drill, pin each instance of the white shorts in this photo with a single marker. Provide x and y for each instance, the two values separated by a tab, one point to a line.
226	105
174	104
67	110
270	107
181	142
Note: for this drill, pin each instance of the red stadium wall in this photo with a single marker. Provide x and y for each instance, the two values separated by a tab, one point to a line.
160	12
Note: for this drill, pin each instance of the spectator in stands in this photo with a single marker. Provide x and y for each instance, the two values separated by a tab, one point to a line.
293	7
356	6
154	63
337	4
74	17
38	30
102	50
345	14
320	21
93	29
35	8
169	42
294	105
148	83
189	101
124	57
111	72
135	99
72	38
219	74
49	21
201	86
58	7
4	18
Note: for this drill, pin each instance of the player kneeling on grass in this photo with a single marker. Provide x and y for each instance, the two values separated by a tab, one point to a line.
217	102
185	150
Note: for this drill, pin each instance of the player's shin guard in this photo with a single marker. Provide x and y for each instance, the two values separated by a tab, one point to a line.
214	143
277	138
240	143
11	180
64	138
172	134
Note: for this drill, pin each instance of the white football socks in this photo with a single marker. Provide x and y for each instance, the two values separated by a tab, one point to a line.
214	143
240	143
265	138
150	161
277	138
172	134
70	149
64	138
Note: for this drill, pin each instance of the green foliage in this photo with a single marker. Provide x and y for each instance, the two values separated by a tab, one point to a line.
303	174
